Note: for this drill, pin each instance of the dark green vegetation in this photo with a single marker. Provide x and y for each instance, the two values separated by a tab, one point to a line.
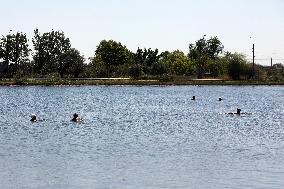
53	60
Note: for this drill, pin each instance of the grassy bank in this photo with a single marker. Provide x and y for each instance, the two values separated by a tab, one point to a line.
127	81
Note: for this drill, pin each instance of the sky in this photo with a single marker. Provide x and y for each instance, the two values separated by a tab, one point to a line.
163	24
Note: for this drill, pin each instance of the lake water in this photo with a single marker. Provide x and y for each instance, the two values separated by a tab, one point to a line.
142	137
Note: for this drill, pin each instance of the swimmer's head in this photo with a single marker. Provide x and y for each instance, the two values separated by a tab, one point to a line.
33	117
239	111
75	117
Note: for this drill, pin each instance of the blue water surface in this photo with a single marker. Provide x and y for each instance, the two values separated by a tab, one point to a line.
142	137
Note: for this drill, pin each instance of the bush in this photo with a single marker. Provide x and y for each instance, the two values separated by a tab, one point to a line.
135	71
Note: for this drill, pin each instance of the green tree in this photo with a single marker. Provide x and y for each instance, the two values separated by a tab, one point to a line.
237	66
140	56
214	47
111	55
49	48
135	71
177	63
71	62
203	51
97	67
276	73
14	51
215	67
148	59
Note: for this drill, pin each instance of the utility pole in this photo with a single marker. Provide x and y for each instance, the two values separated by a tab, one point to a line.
271	63
253	61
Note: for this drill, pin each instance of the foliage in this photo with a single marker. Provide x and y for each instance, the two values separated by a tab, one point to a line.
177	63
148	59
14	51
135	71
204	51
159	68
276	73
71	62
49	49
111	53
54	57
237	66
98	67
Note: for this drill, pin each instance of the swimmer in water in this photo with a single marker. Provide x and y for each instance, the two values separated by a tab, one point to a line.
76	118
239	112
33	118
236	113
193	98
220	99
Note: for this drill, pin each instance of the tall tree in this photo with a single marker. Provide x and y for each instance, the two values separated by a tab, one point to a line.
237	65
49	49
112	54
214	47
71	62
147	59
202	51
14	50
178	63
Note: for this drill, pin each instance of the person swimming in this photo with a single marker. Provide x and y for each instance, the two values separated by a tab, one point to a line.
193	98
33	118
76	118
220	99
236	113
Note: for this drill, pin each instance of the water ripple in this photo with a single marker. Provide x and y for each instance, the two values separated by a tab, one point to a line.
142	137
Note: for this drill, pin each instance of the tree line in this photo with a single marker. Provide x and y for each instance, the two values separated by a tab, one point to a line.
54	56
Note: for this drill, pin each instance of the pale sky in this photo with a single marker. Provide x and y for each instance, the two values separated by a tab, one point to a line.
162	24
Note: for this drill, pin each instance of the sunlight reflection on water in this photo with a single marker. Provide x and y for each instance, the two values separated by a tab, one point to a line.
142	137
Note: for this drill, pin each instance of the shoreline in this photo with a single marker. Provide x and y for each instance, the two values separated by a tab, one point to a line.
128	81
